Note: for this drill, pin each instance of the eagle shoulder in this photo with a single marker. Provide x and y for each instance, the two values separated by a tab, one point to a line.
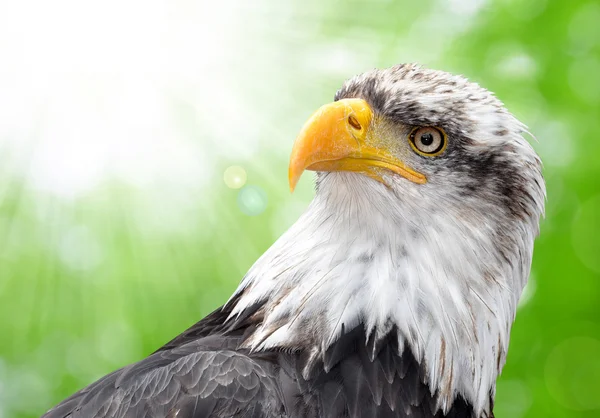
200	374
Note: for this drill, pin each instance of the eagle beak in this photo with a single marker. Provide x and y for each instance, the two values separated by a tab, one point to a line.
340	137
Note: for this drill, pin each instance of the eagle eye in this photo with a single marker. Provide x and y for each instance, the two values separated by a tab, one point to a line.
428	141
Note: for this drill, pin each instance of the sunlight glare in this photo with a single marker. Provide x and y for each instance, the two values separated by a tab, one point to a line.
87	86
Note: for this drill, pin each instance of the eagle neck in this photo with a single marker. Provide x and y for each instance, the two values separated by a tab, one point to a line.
349	262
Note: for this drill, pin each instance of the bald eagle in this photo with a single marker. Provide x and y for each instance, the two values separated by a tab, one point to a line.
393	295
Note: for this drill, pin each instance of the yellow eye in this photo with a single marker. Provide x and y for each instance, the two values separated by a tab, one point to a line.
428	141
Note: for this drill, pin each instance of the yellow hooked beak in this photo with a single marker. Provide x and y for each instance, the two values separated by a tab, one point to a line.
339	137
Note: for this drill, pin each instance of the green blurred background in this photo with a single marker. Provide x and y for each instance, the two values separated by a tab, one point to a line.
143	156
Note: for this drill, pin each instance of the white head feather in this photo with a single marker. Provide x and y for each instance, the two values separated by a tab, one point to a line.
444	262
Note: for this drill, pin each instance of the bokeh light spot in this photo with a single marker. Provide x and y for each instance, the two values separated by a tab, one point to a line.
117	343
82	361
235	177
252	200
573	372
584	80
585	237
513	399
517	65
555	144
26	380
583	28
79	249
510	60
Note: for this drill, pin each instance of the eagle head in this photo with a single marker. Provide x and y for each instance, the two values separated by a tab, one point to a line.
427	204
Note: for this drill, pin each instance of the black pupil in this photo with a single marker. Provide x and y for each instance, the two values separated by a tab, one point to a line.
427	139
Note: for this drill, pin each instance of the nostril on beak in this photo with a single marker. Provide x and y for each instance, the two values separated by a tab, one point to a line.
354	122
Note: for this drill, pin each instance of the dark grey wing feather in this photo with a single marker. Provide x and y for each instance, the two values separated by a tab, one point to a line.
355	379
203	373
193	381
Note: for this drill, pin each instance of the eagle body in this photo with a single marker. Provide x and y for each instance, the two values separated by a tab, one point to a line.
393	295
204	373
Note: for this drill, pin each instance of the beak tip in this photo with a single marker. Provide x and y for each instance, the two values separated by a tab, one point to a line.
293	180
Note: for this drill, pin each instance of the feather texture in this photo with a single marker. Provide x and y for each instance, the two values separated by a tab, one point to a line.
209	375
